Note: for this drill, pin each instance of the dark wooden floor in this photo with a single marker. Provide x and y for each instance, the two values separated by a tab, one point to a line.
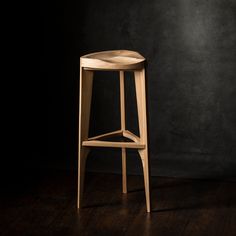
46	205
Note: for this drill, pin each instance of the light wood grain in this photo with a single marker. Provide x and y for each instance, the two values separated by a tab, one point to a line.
122	114
130	135
113	60
86	83
98	143
142	119
107	135
124	133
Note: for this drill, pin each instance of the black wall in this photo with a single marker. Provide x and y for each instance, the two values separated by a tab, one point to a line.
190	47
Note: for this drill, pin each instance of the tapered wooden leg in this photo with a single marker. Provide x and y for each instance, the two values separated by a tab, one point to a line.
86	82
144	157
142	119
122	112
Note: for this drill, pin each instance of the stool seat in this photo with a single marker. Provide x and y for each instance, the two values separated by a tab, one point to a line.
113	60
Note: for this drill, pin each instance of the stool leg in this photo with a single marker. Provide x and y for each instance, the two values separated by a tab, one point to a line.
142	119
122	112
86	82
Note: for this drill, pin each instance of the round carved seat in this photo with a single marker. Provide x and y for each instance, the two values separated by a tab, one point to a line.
113	60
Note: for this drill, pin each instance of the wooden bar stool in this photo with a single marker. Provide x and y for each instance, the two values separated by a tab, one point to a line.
117	60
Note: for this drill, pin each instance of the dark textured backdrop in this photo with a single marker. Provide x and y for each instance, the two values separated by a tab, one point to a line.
190	47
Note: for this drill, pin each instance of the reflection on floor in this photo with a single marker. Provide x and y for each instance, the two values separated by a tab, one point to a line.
45	204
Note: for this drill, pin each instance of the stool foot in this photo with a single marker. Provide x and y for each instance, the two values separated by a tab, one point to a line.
81	174
124	174
144	157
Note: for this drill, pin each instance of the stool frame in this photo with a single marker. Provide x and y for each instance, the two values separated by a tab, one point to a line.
139	143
